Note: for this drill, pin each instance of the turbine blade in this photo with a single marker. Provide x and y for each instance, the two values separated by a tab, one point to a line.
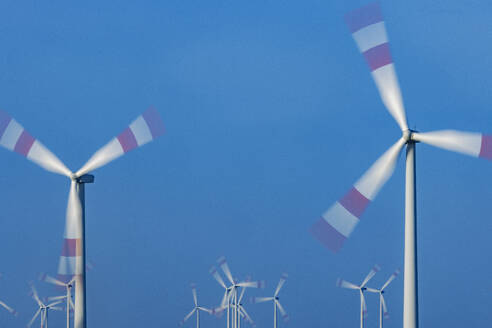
282	311
54	303
255	300
367	27
241	295
225	267
70	259
144	129
371	274
56	298
8	308
372	290
15	138
252	284
193	291
224	299
46	278
468	143
34	294
281	282
385	309
56	308
390	279
33	318
189	315
243	311
345	284
338	222
201	308
216	275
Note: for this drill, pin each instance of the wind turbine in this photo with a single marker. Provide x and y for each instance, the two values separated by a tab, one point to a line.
337	223
275	299
382	303
68	286
235	285
242	311
225	299
6	307
361	288
43	308
14	137
196	309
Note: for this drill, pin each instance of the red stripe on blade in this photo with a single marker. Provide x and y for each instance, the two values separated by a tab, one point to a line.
378	56
4	122
71	247
24	143
354	202
486	148
362	17
154	122
127	140
327	235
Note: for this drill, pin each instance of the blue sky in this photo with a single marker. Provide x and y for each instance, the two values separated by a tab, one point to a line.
271	115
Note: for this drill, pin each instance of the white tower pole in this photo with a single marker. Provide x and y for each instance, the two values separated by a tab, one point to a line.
410	300
274	313
361	310
228	307
197	318
69	297
380	310
80	315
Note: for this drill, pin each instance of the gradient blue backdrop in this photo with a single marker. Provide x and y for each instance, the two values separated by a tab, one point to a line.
271	115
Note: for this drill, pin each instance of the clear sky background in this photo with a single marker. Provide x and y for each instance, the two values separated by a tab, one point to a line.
271	115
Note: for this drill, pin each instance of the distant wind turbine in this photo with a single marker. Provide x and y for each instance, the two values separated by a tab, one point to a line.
43	308
361	288
6	307
196	309
68	287
383	311
276	302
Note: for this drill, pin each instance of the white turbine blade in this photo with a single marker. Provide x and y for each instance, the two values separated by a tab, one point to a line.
46	278
71	304
252	284
189	315
371	274
201	308
225	267
385	309
282	311
145	128
345	284
281	282
468	143
216	275
8	308
34	294
193	291
70	260
338	222
363	302
261	299
367	27
242	311
15	138
34	318
224	298
372	290
56	298
241	295
390	279
56	308
54	303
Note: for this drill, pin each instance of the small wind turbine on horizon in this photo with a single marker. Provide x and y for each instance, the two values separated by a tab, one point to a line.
68	287
361	288
147	127
43	308
276	301
383	310
196	309
369	32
